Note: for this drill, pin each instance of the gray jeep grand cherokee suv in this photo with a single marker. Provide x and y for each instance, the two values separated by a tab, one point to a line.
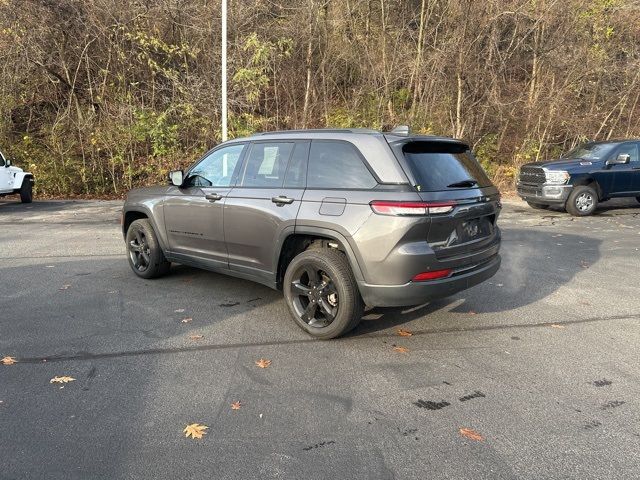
337	219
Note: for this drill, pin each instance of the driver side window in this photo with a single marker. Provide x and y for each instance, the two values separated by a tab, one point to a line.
217	168
630	149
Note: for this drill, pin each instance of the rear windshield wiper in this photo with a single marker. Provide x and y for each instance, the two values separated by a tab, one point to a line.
463	183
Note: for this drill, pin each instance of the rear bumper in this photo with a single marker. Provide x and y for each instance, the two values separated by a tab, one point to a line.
547	194
415	293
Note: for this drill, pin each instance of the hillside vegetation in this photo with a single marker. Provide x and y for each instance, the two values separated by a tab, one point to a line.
98	96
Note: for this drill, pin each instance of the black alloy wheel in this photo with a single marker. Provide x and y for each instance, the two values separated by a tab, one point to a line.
140	252
146	257
315	298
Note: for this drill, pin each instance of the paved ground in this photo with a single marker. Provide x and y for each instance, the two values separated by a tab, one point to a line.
543	362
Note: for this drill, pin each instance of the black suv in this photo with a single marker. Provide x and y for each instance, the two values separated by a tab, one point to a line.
588	174
335	218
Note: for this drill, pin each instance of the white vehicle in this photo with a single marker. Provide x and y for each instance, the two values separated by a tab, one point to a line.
14	180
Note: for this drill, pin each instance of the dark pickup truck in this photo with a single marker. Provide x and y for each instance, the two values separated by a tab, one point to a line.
590	173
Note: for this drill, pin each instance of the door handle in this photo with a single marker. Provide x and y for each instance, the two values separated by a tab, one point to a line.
282	200
212	197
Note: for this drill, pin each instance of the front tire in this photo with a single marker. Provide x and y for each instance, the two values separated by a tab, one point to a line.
146	258
582	201
322	293
538	206
26	191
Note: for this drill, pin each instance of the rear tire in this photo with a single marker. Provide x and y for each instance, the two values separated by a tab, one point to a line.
582	201
146	258
538	206
26	191
322	293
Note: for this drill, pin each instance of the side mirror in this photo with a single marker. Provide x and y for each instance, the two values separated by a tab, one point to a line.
7	162
176	177
622	159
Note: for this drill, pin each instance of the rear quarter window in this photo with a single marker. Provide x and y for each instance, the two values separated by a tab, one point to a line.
334	164
441	166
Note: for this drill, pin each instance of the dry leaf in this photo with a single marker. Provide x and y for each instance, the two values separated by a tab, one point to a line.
186	320
196	337
64	287
555	325
235	406
471	434
404	333
262	363
195	430
63	379
400	349
179	310
471	312
8	361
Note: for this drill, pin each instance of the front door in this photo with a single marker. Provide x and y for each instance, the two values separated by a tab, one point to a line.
625	177
193	213
6	177
263	204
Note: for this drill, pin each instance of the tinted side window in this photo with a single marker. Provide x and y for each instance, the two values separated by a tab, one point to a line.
216	169
266	165
297	171
337	165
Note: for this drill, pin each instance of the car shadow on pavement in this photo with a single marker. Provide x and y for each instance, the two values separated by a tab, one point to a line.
535	264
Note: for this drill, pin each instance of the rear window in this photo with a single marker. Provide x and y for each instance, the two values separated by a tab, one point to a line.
444	166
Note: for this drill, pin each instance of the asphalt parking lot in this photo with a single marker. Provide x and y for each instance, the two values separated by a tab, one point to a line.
542	362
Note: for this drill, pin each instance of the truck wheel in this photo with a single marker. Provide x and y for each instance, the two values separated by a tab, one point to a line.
538	206
322	293
582	201
146	258
26	191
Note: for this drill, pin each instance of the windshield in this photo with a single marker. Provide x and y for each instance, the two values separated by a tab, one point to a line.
591	151
444	166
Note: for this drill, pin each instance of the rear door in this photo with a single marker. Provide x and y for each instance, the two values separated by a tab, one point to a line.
264	203
447	173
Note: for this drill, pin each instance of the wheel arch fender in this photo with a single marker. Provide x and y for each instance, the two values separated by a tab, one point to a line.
322	233
588	180
137	212
20	177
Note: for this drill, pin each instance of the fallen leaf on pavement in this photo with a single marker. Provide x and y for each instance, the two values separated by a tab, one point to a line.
471	434
65	287
404	333
186	320
401	349
8	361
555	325
262	363
179	310
63	379
471	312
235	406
195	430
196	337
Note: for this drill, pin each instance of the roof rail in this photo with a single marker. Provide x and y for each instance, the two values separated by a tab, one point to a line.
319	130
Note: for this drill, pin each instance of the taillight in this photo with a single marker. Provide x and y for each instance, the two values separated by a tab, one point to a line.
383	207
434	275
